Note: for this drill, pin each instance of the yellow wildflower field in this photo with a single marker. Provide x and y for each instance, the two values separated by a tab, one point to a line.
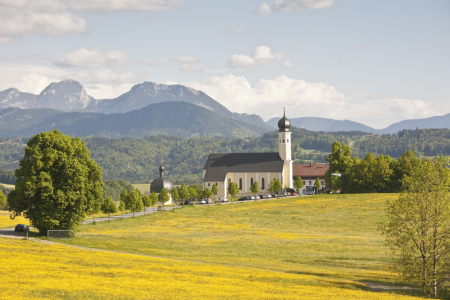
31	270
327	235
6	222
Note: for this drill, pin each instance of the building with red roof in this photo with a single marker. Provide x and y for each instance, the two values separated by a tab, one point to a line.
309	173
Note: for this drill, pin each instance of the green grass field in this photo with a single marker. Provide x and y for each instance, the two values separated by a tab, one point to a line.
9	186
143	187
331	236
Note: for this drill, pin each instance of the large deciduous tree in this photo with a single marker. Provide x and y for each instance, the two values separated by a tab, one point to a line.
214	190
275	186
153	199
57	183
163	196
2	198
418	227
183	192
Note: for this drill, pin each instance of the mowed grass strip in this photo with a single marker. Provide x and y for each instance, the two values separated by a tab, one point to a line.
329	235
31	270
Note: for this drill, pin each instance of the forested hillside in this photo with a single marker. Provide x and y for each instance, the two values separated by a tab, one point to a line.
137	160
424	142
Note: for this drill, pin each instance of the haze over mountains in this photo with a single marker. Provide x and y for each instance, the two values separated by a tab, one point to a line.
153	109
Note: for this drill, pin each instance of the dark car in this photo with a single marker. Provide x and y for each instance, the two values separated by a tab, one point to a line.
262	197
188	202
242	199
22	228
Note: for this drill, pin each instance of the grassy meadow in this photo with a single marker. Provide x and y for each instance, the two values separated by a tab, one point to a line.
331	236
63	272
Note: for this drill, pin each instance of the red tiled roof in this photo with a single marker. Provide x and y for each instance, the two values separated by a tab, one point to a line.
309	170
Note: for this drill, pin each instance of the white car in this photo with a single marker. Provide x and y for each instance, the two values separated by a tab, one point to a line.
200	202
222	199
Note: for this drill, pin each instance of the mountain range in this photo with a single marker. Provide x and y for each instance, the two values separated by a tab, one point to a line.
331	125
69	95
66	105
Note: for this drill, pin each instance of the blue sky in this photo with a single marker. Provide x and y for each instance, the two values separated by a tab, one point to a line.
374	62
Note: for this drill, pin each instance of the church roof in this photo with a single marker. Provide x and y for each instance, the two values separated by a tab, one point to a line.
218	165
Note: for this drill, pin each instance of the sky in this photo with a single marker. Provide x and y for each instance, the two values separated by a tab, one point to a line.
374	62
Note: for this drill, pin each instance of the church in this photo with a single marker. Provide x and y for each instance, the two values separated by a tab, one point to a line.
246	168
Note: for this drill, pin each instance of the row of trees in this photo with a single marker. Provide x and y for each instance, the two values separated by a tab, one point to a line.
380	174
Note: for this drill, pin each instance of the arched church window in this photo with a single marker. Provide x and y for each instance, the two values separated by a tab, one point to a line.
263	184
251	181
240	183
283	140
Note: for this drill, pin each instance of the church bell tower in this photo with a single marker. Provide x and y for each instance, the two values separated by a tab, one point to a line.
284	137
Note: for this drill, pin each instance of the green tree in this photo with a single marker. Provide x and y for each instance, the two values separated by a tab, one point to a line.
298	183
108	206
254	188
124	197
207	193
192	192
57	183
275	186
175	195
233	189
133	202
214	190
418	226
153	199
147	202
340	161
121	207
183	192
2	199
163	196
317	184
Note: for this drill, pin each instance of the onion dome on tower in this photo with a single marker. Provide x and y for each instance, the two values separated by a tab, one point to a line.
284	124
160	182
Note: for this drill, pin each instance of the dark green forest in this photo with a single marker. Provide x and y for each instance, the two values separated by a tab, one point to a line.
137	160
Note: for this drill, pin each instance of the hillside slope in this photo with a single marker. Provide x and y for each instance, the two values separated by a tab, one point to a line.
179	119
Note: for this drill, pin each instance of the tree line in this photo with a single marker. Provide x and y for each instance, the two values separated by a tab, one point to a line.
372	174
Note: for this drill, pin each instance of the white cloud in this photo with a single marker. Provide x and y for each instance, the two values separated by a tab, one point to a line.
263	98
83	58
105	91
44	17
190	68
262	55
103	76
299	5
187	59
161	62
305	99
101	6
238	30
288	65
263	10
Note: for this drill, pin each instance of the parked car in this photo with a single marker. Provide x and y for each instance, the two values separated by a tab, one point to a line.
188	202
222	199
257	197
274	195
22	228
243	199
293	194
160	208
262	197
268	196
309	190
209	201
200	202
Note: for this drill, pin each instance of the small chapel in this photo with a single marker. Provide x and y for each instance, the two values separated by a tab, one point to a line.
246	168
